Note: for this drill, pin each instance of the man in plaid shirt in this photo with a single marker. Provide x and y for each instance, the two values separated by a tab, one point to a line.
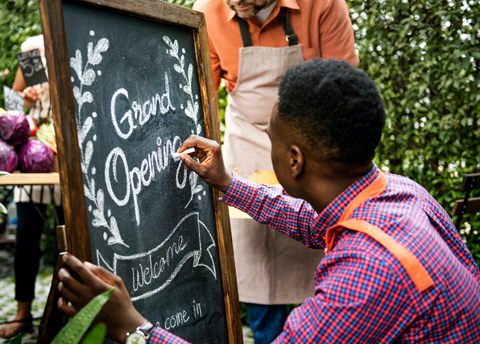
396	270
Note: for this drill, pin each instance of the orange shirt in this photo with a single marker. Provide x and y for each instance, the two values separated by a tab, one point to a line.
323	28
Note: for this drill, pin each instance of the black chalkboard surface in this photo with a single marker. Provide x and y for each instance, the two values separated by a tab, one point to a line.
139	85
136	92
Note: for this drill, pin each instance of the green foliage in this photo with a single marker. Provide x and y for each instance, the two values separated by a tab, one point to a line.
222	105
6	195
424	56
184	3
3	210
48	243
17	339
96	334
243	313
74	330
470	232
19	19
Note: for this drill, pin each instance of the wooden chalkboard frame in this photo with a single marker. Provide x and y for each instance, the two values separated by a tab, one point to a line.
63	106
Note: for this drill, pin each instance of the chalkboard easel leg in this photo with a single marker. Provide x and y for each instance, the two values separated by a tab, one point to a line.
53	320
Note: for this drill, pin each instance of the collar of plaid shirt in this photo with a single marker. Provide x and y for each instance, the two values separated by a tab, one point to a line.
412	265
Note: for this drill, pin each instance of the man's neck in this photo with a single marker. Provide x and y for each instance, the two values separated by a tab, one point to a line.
322	189
263	14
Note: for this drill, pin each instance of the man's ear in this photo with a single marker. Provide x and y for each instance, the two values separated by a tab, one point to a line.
297	161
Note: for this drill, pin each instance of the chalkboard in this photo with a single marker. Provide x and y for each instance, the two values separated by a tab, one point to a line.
32	67
139	83
13	100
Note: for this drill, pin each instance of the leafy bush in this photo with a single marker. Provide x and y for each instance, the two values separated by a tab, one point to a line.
19	19
424	56
184	3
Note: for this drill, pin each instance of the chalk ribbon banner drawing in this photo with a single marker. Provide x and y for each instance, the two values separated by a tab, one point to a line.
130	80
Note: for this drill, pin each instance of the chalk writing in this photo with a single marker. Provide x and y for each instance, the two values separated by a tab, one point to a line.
137	114
144	276
158	267
145	273
175	320
197	309
140	113
156	161
30	62
182	317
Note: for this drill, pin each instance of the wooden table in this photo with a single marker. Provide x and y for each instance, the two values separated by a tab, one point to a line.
20	179
17	179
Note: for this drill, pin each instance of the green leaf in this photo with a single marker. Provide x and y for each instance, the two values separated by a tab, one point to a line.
73	331
96	334
17	339
3	210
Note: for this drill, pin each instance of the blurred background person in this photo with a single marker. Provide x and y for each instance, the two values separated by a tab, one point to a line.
31	203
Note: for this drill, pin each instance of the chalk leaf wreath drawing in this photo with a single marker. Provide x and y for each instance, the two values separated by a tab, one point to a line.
191	110
86	76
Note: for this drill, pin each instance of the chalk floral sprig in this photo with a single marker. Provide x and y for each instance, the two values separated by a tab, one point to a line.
191	110
86	76
193	178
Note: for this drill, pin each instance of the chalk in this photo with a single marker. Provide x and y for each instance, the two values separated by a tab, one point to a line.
176	156
62	239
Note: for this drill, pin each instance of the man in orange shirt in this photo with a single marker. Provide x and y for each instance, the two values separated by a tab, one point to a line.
252	43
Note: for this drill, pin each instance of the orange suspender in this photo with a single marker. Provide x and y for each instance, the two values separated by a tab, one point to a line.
412	265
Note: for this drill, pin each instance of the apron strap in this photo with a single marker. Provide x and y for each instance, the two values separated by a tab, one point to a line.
411	264
290	34
246	38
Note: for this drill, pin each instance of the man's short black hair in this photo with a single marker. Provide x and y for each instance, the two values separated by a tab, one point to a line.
336	109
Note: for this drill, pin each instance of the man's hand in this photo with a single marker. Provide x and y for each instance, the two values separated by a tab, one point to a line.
211	167
118	313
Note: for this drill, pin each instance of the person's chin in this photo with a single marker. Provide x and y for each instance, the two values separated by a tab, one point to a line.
245	13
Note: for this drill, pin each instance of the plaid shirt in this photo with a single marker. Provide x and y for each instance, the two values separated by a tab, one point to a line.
363	293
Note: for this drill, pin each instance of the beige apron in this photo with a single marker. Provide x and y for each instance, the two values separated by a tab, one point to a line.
271	267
